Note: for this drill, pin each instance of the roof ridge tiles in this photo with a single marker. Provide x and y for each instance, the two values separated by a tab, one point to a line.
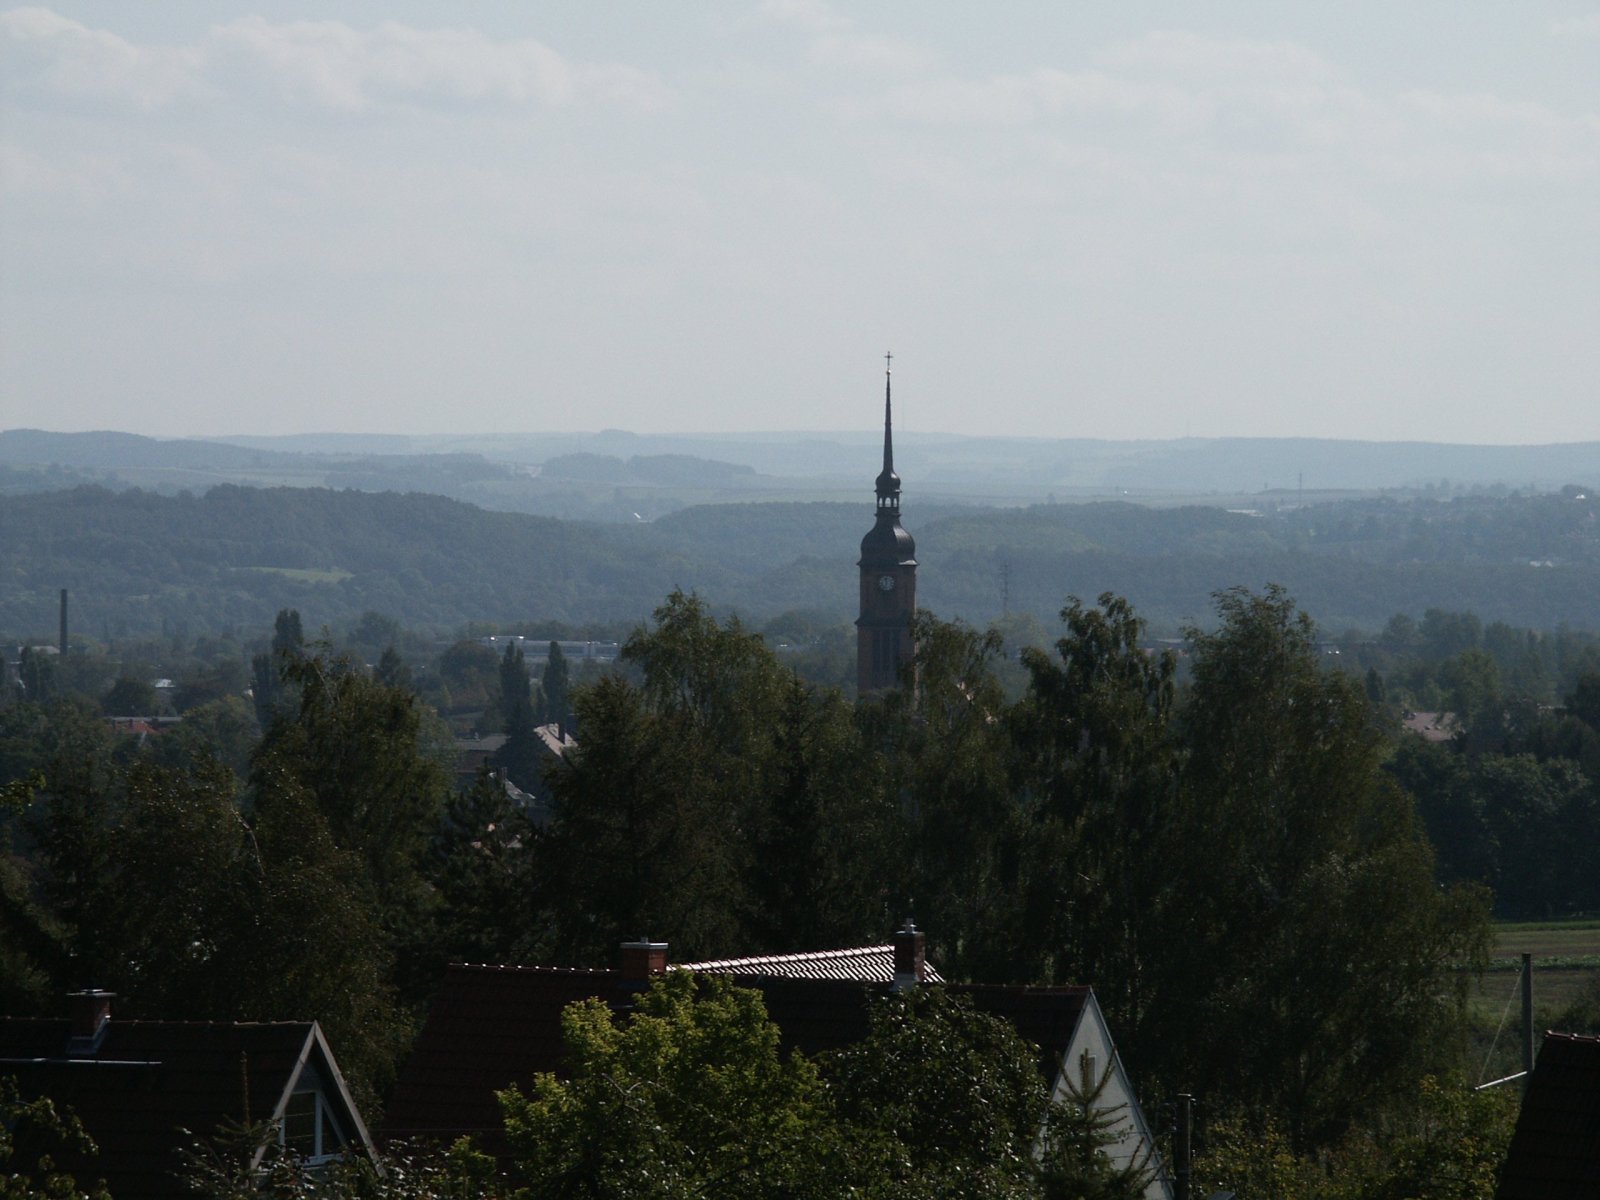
795	956
529	969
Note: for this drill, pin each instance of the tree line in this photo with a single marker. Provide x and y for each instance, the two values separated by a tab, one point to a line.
1225	852
139	564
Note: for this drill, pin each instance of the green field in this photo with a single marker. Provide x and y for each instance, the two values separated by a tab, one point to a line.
304	574
1566	988
1547	939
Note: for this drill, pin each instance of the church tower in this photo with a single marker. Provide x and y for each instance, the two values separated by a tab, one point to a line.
888	578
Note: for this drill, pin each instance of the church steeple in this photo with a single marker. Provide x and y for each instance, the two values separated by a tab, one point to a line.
888	482
888	564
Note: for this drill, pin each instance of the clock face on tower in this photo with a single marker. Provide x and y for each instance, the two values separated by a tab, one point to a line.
886	583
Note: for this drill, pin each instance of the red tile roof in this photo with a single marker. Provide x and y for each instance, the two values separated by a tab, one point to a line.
490	1027
1555	1151
149	1080
865	964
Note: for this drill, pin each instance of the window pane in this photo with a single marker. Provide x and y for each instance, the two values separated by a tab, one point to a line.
300	1124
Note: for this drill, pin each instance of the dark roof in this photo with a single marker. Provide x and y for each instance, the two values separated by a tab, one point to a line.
148	1080
1555	1151
887	542
490	1027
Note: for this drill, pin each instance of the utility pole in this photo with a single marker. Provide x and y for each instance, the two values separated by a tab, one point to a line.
1183	1147
1527	1021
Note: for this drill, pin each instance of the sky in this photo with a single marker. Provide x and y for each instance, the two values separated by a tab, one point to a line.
1096	219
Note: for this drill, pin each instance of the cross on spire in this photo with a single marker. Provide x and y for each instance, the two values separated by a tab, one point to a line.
888	358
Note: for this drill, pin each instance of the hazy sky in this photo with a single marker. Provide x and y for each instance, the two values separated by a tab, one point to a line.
1107	219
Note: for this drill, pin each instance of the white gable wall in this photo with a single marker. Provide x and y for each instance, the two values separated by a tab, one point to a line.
1087	1056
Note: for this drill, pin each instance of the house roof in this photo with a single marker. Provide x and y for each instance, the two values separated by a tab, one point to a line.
1432	726
1555	1151
865	964
556	741
148	1081
491	1027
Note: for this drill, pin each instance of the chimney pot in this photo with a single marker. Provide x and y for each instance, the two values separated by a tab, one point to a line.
642	959
910	957
90	1013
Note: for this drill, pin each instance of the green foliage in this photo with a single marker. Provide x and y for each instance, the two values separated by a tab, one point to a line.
1584	701
273	699
354	749
481	867
947	759
224	730
1495	817
522	755
703	792
30	941
939	1100
1100	771
32	1134
246	1162
37	675
142	563
1073	1163
555	689
689	1097
1304	931
158	887
130	697
1444	1142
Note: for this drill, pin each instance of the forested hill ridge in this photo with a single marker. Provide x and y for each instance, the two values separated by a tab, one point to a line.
622	477
137	563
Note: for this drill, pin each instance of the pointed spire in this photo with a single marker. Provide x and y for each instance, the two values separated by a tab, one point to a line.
888	424
888	483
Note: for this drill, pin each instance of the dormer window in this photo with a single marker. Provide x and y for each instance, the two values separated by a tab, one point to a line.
309	1129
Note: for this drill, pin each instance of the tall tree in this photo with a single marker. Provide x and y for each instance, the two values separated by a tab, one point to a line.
686	792
356	749
520	757
665	782
947	762
942	1100
555	689
1309	960
267	670
1099	765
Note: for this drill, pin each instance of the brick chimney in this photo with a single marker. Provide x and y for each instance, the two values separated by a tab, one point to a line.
90	1013
910	957
641	960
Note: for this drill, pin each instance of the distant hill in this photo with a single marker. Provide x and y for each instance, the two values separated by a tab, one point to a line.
112	451
139	563
1025	469
581	485
618	476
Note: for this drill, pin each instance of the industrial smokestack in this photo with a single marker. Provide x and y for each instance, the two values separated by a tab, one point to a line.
63	622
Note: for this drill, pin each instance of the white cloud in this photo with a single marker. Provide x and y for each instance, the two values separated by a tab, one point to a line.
1178	54
328	64
813	16
871	52
1579	27
1021	98
69	59
836	42
335	65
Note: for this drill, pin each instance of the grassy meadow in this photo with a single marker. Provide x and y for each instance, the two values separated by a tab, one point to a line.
1566	989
